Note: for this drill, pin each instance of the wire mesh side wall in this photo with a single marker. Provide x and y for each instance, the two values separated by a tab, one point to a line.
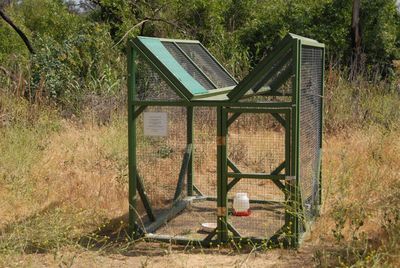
150	85
205	150
159	160
310	127
256	145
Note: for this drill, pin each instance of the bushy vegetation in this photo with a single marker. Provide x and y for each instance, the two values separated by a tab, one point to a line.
63	167
80	49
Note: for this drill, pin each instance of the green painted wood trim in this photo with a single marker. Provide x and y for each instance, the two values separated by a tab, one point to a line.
279	119
197	190
252	201
256	176
145	200
164	57
210	236
288	172
180	240
306	41
322	125
270	105
166	216
224	171
139	110
212	92
233	166
256	111
233	230
273	173
132	211
236	170
279	184
264	243
312	44
183	171
190	140
232	119
170	40
297	202
220	218
233	183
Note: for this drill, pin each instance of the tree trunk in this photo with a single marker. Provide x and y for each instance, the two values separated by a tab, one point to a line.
18	30
356	38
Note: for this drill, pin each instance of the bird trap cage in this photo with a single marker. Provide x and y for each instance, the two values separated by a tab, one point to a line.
197	137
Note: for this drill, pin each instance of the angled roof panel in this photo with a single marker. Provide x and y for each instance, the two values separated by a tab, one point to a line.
187	64
269	66
165	57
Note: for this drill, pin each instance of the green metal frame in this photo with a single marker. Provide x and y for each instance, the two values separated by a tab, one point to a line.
226	100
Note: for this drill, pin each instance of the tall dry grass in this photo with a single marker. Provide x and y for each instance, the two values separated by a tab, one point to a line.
62	179
59	180
360	216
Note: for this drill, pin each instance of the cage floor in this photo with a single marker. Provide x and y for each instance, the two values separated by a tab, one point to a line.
264	221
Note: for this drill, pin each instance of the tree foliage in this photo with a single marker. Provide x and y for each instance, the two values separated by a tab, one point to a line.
79	47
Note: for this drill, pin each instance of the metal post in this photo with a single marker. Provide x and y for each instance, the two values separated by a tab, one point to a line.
321	125
222	212
224	176
133	230
296	142
189	138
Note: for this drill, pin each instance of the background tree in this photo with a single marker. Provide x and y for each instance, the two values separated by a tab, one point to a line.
356	37
17	29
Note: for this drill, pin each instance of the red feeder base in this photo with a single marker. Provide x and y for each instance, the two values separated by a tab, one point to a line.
241	213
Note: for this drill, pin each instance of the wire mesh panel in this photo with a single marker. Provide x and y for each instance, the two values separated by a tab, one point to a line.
189	222
205	150
150	85
188	65
256	144
207	64
159	161
276	84
159	158
310	126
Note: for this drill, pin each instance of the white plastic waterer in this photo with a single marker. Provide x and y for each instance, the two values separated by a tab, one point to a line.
241	205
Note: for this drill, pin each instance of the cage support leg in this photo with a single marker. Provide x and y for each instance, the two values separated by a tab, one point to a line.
144	198
183	171
222	211
190	140
133	230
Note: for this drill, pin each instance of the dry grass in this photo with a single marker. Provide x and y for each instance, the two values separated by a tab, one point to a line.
361	194
61	180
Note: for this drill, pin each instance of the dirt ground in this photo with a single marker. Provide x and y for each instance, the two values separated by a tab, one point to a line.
164	255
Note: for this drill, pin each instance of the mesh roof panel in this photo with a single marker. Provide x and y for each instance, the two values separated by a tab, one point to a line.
187	64
192	69
207	64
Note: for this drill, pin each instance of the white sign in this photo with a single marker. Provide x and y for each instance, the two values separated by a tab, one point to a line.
155	124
